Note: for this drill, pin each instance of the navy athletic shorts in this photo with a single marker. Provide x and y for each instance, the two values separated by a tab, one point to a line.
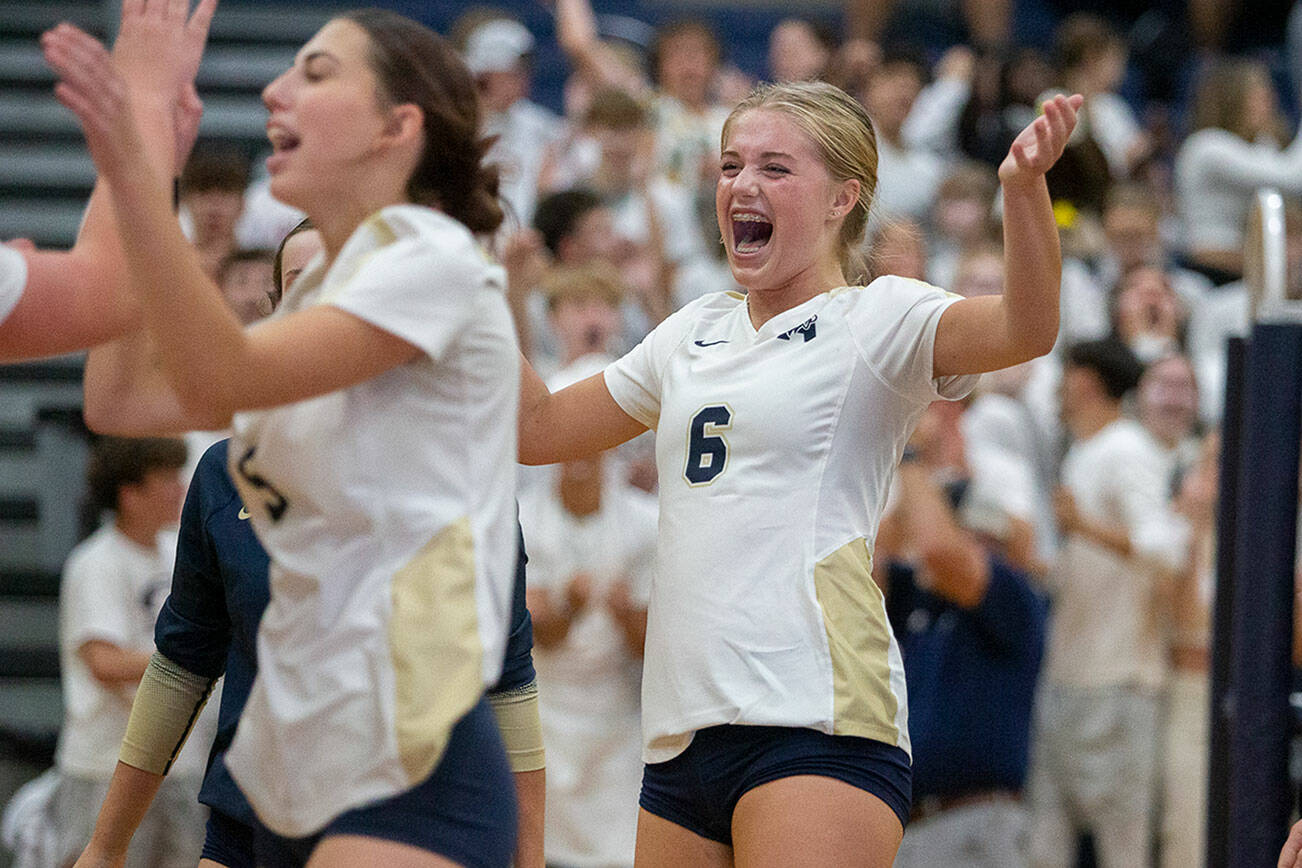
699	789
228	841
464	811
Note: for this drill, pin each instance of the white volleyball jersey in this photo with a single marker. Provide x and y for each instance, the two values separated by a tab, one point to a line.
775	449
388	511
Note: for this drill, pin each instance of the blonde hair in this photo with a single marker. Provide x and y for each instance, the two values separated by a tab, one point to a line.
847	143
1222	92
581	282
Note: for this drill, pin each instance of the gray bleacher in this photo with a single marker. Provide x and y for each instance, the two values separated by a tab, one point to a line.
45	177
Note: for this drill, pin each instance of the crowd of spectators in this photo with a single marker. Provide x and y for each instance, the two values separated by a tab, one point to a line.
1046	558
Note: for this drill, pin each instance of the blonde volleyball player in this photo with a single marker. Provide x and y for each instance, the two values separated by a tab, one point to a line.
373	443
774	712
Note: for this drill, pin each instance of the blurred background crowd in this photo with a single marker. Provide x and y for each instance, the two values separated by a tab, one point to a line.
1048	552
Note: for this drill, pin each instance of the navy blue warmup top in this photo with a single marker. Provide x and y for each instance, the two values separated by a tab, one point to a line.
209	624
971	676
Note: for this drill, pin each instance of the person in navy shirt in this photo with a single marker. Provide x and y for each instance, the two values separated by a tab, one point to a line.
971	629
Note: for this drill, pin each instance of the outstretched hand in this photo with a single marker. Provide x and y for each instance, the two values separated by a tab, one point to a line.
96	93
160	44
1039	146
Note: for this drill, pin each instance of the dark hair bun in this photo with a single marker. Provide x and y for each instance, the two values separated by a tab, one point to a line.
415	65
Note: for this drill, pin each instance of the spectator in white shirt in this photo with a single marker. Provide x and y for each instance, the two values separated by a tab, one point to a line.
962	218
1167	406
1235	149
1147	315
498	52
113	586
907	176
1092	61
1094	762
591	540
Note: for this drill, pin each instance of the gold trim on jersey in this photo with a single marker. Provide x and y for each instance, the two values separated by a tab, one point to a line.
859	640
384	236
435	648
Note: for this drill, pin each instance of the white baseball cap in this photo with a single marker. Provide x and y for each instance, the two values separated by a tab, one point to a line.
497	46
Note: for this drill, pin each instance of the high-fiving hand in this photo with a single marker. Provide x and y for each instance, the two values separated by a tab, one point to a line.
153	64
160	43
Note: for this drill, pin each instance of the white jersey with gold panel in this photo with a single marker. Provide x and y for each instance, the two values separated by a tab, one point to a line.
388	511
775	448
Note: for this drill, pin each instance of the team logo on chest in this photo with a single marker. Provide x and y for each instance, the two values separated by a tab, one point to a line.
806	329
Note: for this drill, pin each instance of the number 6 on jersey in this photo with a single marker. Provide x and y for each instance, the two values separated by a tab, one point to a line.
707	450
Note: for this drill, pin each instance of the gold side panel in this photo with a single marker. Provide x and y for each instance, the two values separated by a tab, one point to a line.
858	637
435	648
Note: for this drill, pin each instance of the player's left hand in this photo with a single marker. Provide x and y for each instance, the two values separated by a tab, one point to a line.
1291	855
91	86
1039	146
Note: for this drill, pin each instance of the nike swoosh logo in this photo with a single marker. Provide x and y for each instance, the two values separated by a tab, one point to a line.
244	514
709	343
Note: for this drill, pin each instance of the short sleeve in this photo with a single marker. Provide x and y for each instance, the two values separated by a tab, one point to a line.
97	601
894	325
635	381
194	626
13	279
423	282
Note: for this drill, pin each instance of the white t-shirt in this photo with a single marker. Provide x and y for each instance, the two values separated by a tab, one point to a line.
13	279
1115	129
588	685
775	449
388	511
524	132
1216	174
907	181
112	590
1108	629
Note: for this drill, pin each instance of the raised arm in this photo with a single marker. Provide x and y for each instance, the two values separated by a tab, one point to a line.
214	366
77	298
992	332
576	30
576	422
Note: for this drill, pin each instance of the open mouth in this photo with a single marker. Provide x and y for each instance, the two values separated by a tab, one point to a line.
282	141
750	232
